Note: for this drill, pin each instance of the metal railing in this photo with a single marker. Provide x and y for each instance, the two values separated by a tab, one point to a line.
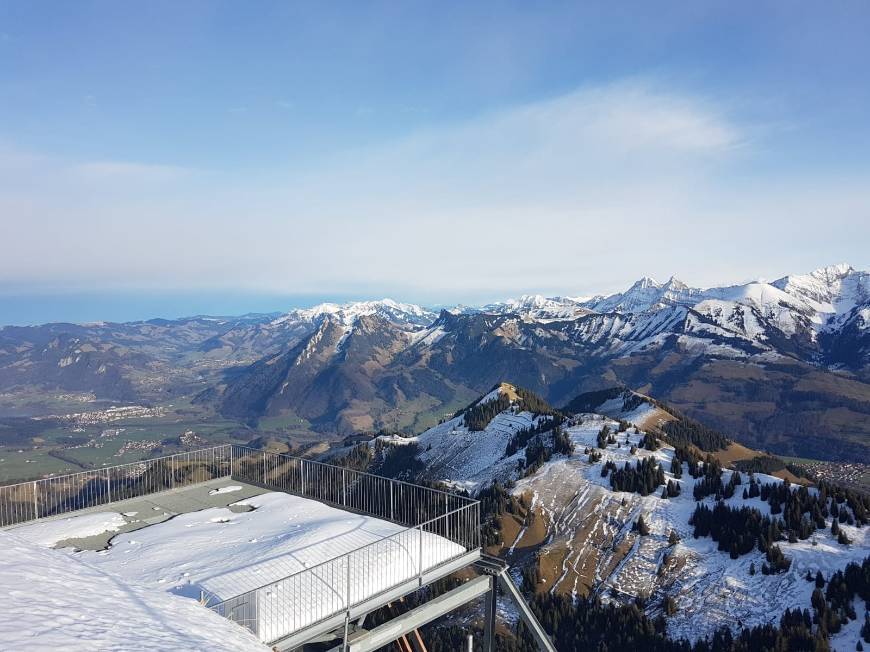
435	527
62	494
439	527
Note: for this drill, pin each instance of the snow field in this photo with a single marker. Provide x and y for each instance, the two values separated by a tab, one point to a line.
53	599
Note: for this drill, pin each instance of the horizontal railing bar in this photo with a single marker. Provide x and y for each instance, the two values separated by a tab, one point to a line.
354	471
101	469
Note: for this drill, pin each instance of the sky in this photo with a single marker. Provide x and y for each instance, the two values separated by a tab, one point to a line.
165	158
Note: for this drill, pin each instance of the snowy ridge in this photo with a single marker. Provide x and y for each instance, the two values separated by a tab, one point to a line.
348	313
820	318
539	308
710	588
758	313
647	294
474	459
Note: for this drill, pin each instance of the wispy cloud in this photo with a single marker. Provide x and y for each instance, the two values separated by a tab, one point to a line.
578	192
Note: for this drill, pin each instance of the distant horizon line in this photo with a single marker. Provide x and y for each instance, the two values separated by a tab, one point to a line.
241	303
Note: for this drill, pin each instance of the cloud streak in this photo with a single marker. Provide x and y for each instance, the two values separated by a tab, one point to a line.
578	192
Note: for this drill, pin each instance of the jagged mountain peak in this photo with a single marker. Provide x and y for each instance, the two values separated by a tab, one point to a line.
830	272
646	294
644	283
833	289
348	313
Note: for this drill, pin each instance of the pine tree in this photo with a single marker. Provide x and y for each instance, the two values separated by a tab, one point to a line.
641	527
603	436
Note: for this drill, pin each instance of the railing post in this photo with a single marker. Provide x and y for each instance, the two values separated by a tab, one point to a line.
347	604
347	607
343	488
35	502
447	515
302	473
392	517
421	556
264	467
109	485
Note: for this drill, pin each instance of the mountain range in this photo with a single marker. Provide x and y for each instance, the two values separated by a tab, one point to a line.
783	366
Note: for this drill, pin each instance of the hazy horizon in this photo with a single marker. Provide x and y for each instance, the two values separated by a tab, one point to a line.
141	304
348	151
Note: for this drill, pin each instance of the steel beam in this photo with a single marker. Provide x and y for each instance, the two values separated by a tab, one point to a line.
538	633
489	617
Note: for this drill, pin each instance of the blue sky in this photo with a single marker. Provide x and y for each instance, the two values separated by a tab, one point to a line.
171	158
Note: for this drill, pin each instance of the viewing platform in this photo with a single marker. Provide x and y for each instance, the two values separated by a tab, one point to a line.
292	549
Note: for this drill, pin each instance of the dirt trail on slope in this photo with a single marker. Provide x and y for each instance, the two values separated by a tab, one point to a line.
581	530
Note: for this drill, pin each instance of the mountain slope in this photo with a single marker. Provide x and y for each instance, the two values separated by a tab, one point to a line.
573	533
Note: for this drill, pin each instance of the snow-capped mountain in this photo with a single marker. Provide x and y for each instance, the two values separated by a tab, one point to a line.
348	313
787	316
540	308
647	294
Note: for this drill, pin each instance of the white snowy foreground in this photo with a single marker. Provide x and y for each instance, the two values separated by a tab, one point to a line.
52	599
48	533
223	553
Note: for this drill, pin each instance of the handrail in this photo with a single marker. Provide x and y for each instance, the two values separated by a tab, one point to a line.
349	470
438	528
111	468
23	502
345	554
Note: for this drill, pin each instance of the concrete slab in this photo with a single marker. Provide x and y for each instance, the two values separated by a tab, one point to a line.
156	508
